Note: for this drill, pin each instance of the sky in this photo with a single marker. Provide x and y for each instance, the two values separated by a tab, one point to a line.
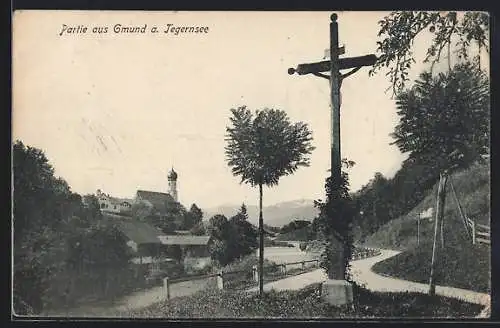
117	111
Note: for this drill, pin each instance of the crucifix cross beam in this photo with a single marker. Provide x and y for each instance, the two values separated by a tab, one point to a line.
343	63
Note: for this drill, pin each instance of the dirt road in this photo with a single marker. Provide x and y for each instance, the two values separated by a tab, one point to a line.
362	274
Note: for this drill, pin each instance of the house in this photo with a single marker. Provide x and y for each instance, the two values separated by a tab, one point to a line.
112	204
156	252
194	249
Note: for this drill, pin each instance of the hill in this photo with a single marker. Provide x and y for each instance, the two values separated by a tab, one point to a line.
276	215
460	264
473	191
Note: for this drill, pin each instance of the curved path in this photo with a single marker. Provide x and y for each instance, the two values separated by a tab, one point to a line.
361	270
363	275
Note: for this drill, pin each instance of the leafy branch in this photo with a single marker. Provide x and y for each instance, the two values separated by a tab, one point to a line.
398	31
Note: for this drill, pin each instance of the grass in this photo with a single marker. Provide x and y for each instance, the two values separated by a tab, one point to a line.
460	264
306	303
467	270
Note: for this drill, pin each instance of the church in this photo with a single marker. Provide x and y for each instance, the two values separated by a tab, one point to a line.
152	246
154	199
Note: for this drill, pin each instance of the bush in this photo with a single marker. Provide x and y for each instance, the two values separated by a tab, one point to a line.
302	246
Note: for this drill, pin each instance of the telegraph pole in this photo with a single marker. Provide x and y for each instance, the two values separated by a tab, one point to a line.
441	197
334	65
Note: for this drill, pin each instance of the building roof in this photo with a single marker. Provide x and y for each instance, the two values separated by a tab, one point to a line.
149	259
157	199
183	240
143	233
183	232
135	230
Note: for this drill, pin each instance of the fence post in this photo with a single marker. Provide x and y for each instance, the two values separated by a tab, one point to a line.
283	269
303	265
418	229
220	280
473	232
166	288
255	273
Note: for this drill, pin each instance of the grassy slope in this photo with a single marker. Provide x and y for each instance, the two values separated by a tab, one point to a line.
467	266
305	303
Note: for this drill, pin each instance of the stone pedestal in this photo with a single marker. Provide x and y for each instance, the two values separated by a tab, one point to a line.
337	292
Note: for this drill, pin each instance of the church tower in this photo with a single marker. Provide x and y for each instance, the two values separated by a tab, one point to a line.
172	184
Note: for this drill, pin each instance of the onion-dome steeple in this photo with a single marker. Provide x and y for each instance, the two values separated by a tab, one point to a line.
172	175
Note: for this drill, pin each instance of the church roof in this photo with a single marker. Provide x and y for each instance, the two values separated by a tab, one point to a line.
157	199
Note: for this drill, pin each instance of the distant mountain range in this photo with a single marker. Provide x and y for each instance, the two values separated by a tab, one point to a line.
276	215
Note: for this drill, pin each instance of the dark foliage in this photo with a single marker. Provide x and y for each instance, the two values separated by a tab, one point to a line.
231	239
399	30
62	250
335	223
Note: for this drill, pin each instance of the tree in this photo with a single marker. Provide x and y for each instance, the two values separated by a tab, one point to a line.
245	241
92	204
198	229
399	30
193	217
55	231
262	149
142	210
174	216
39	206
295	225
220	235
444	120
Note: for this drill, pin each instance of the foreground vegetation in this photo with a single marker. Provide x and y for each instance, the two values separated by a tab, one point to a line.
306	303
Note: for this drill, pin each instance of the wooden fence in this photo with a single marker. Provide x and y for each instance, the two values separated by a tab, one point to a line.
224	279
481	233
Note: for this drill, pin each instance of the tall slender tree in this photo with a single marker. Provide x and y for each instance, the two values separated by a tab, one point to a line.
263	147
